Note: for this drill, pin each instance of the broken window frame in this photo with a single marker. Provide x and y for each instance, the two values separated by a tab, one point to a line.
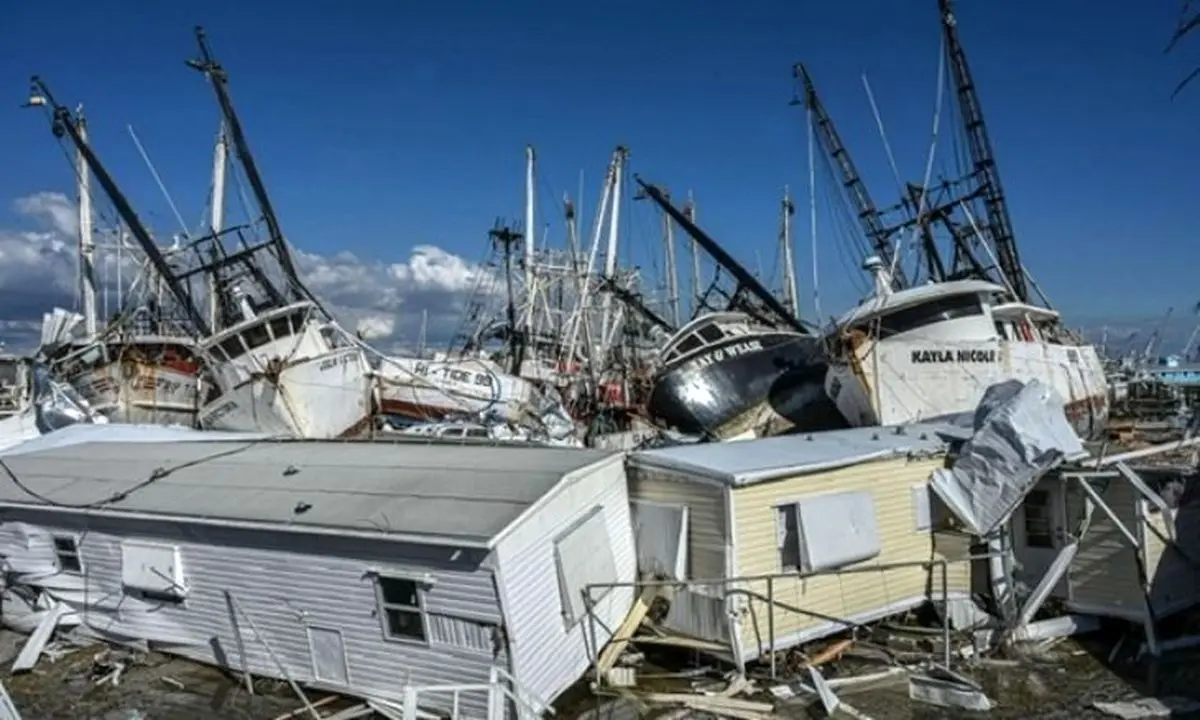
383	607
69	553
793	561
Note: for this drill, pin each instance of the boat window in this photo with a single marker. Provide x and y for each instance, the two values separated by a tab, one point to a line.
452	432
8	374
281	327
688	344
233	348
256	336
298	319
929	313
477	432
711	333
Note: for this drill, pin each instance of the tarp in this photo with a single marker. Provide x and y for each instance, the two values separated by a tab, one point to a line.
1020	432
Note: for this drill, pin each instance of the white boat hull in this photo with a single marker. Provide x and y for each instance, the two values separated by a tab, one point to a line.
329	396
435	390
899	380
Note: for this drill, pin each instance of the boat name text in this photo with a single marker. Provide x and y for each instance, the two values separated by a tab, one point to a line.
330	363
729	351
952	356
453	374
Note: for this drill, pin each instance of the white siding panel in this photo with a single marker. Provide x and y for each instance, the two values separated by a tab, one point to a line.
584	558
547	655
287	584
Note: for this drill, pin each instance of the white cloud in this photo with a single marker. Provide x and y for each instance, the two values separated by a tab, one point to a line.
384	301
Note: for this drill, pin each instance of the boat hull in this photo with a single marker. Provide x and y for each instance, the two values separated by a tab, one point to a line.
134	391
437	390
898	380
329	396
769	383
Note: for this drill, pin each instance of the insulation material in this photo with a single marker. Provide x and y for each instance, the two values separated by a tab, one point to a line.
1020	432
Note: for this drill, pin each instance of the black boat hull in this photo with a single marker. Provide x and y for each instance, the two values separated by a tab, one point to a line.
774	381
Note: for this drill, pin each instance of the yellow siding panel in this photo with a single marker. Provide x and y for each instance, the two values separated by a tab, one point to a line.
890	484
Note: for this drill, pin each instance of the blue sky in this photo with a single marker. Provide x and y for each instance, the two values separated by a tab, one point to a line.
384	125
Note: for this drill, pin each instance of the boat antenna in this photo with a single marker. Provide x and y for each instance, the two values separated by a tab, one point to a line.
63	122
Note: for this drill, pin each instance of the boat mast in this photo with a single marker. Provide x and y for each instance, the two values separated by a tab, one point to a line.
982	157
217	217
689	211
610	251
530	232
855	188
745	279
787	210
672	268
64	122
219	79
87	240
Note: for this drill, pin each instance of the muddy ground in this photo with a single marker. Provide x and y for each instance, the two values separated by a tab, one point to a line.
1061	683
70	688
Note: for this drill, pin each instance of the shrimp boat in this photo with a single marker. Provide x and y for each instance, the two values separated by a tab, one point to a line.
142	369
751	368
442	387
280	362
932	351
915	350
276	360
723	373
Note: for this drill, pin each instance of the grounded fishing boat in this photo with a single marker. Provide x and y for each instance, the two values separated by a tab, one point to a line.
933	350
755	369
144	379
931	338
141	369
723	374
278	361
440	388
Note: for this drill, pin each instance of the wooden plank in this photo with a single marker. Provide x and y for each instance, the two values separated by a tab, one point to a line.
620	639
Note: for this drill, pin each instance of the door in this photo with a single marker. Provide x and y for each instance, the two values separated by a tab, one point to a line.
1039	534
328	650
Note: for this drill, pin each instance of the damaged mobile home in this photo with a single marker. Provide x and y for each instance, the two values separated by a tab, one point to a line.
437	575
787	539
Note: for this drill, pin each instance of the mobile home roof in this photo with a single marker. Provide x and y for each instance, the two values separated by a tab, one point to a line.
751	461
435	493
